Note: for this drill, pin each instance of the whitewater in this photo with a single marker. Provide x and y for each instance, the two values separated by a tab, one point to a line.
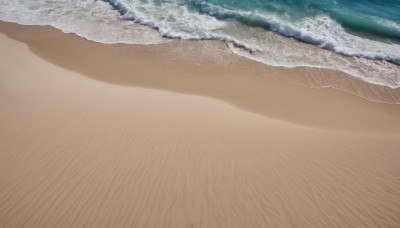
361	38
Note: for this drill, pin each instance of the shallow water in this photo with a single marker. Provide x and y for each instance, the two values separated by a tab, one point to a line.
360	38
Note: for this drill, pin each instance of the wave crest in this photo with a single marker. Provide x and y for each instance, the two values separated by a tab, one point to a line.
320	30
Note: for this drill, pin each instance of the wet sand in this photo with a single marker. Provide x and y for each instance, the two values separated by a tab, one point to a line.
174	135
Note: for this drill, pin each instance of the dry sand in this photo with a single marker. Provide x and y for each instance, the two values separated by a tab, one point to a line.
132	136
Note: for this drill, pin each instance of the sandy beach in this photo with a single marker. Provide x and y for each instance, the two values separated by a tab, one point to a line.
176	135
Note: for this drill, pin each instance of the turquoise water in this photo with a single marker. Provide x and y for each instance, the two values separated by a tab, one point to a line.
358	37
346	27
371	18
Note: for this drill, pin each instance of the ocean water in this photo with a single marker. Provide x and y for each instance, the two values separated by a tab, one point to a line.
358	37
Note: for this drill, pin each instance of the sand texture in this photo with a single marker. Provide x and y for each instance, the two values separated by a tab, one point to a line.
144	144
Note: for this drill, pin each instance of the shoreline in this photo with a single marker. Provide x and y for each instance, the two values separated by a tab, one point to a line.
132	136
241	82
312	76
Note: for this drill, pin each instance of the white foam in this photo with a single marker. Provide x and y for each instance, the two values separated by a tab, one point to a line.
96	20
328	34
390	24
171	18
92	19
320	30
290	53
368	61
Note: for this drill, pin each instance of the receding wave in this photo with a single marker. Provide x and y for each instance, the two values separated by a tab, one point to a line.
320	30
270	37
91	19
208	21
184	24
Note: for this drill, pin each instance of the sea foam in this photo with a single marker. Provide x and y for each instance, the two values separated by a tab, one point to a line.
270	37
